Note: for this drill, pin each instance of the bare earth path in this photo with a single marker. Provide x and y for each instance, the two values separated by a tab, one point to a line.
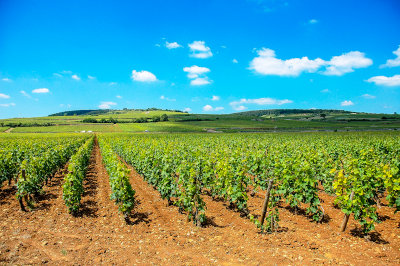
159	234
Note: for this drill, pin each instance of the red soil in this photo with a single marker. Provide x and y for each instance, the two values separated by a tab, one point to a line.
161	235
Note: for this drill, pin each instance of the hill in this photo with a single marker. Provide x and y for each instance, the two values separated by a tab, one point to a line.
159	120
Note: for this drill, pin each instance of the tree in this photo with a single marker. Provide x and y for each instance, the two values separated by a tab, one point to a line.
164	117
156	119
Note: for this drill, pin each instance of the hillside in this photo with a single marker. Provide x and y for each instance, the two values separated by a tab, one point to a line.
158	120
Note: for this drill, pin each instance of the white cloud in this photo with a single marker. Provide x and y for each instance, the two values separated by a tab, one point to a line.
187	109
235	61
143	76
209	108
393	62
7	104
313	21
215	98
346	103
199	82
41	90
368	96
25	94
91	77
6	79
346	63
386	81
197	74
172	45
162	97
4	96
119	96
106	105
195	71
200	50
75	77
112	83
240	105
325	91
266	63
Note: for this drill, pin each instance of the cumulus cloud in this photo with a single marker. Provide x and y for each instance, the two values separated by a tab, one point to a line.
313	21
106	105
143	76
346	103
172	45
75	77
393	62
195	71
215	98
7	104
200	50
209	108
386	81
240	105
187	109
119	96
368	96
6	79
199	81
91	77
266	63
325	91
4	96
235	61
41	90
346	63
197	75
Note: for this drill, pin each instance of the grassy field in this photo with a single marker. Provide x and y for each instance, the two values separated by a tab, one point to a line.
254	121
68	128
77	119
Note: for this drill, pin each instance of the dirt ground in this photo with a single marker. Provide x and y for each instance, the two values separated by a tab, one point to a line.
161	235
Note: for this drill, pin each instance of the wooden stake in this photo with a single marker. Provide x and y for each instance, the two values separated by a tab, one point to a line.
21	203
265	206
346	216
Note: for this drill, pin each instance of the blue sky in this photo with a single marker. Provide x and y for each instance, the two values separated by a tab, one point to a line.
200	56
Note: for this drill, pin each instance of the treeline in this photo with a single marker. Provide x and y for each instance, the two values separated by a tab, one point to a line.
29	124
111	120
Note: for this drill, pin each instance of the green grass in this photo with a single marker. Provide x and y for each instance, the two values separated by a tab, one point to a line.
183	122
118	114
68	128
2	129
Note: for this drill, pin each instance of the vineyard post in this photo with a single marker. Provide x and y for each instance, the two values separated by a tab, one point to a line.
21	204
265	206
346	216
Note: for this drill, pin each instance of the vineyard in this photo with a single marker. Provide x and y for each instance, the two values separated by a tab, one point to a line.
346	183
